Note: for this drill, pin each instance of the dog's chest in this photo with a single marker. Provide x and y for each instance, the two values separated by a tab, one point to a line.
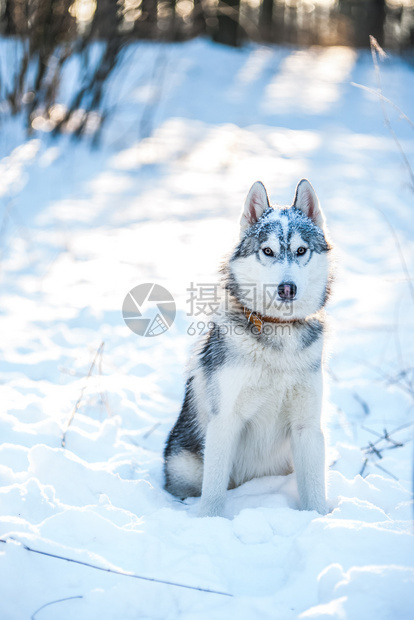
263	447
285	354
266	401
268	378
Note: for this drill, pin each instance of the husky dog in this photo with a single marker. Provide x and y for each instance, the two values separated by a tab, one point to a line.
252	403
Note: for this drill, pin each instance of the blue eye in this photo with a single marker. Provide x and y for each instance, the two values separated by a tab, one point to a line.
301	251
268	251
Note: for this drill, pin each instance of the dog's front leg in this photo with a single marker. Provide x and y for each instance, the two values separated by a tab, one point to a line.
221	439
308	447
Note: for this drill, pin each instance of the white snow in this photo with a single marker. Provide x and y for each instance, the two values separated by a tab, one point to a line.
159	201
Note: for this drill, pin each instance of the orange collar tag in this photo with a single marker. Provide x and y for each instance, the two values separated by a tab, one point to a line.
259	319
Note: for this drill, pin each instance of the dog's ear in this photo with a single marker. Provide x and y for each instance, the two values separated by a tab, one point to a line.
307	201
256	203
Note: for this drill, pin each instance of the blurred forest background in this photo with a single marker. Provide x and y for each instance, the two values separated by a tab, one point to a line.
299	22
41	36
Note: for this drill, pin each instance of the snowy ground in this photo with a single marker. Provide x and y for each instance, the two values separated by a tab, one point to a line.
193	127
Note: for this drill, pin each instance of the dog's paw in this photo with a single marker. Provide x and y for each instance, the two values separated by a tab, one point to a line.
210	509
320	506
323	510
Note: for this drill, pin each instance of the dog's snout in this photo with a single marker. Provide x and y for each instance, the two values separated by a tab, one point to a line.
287	290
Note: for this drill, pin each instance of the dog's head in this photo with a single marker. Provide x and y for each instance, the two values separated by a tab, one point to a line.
280	266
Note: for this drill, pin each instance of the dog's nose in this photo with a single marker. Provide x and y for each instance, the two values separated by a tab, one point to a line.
287	290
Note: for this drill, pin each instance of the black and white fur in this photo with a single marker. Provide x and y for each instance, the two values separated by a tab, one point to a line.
253	398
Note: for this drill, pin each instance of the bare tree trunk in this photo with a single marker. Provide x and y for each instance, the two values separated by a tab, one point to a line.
228	31
266	20
199	20
376	20
9	27
106	19
146	25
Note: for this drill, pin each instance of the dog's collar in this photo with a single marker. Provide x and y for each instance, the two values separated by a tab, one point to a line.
259	319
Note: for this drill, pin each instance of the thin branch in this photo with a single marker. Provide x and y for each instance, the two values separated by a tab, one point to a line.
400	428
400	252
152	104
386	437
114	571
102	392
377	49
365	428
385	100
12	215
385	471
76	407
61	600
363	467
397	444
70	371
397	340
151	430
362	402
373	450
